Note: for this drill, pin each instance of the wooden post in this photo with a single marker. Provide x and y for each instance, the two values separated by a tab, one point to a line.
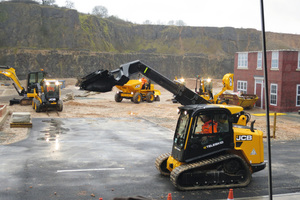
274	125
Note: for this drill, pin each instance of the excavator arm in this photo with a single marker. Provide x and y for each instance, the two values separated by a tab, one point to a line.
10	73
228	84
103	81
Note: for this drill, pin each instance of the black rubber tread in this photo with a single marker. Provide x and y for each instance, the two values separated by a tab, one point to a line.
137	97
157	98
159	164
150	97
37	106
60	105
183	168
118	97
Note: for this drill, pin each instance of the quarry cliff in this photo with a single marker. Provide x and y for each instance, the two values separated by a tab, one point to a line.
67	43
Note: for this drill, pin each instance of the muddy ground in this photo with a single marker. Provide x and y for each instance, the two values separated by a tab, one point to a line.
83	104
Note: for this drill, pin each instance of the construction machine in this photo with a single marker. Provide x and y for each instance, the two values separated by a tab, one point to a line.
224	157
137	91
41	93
226	95
32	79
206	88
46	96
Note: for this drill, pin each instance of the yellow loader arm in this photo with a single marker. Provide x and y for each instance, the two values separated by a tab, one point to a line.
228	84
11	73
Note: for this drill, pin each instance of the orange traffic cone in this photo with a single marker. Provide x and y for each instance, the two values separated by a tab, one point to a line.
169	196
230	195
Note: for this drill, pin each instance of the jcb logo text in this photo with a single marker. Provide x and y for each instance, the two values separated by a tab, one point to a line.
243	137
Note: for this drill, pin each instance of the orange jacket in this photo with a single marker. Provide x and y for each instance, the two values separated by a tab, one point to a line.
143	81
209	127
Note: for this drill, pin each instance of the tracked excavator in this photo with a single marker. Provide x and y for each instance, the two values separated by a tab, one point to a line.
32	79
43	94
225	157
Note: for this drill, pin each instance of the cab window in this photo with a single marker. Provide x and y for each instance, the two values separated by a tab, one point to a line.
181	129
206	123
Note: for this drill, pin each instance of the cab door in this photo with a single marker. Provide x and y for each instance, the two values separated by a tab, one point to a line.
205	141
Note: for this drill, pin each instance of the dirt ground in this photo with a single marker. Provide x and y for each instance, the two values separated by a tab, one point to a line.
83	104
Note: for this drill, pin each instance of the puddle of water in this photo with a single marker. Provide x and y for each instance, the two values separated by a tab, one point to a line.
54	130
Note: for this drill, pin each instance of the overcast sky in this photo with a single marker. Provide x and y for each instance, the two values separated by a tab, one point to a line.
281	16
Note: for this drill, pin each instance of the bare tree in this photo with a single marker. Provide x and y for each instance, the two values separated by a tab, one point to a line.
100	11
69	4
180	23
147	22
48	2
171	22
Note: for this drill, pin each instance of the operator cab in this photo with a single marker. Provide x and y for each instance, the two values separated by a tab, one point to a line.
51	90
202	130
33	79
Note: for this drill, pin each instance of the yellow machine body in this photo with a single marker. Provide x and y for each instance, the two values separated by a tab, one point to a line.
247	142
137	91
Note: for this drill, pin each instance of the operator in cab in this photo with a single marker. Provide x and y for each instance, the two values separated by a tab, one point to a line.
209	125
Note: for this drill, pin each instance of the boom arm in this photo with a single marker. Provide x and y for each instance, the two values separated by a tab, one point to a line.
227	85
11	73
106	81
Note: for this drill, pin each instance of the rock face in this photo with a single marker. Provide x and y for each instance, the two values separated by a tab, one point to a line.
79	63
68	44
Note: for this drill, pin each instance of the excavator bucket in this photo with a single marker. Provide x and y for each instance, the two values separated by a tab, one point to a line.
100	81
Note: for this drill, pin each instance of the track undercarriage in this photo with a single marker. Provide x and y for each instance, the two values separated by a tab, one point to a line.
224	171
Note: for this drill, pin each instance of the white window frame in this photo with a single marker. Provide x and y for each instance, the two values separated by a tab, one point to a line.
242	61
259	61
298	65
242	86
273	94
275	60
298	95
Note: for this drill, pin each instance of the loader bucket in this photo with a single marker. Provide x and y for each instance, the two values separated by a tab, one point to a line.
99	81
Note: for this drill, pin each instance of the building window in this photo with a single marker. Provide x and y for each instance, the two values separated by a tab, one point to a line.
298	95
273	94
298	67
242	86
243	60
275	56
259	60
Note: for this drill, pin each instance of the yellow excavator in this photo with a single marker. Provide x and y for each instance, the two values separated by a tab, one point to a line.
206	86
41	93
205	90
226	157
32	79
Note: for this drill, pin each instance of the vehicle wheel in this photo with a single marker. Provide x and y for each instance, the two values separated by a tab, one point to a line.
150	97
157	98
231	166
137	97
60	105
37	106
118	97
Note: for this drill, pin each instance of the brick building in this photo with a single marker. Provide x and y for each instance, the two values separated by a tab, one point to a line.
283	78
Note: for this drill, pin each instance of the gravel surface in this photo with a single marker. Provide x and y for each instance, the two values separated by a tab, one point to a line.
82	104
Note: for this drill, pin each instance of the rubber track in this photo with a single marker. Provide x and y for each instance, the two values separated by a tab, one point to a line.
181	169
159	160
